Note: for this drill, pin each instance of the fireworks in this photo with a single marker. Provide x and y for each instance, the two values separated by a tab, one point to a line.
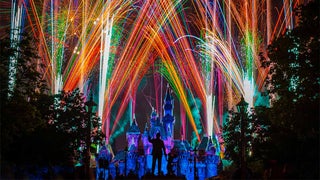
205	50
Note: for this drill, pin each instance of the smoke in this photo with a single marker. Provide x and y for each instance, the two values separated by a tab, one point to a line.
195	106
122	123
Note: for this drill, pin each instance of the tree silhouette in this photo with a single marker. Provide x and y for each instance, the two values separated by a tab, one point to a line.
68	115
256	135
26	138
293	84
19	114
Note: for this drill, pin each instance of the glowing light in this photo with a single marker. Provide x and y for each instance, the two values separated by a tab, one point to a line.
106	35
16	22
249	89
208	57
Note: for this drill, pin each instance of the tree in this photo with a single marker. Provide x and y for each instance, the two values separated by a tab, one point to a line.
293	84
26	138
68	115
28	80
19	115
256	135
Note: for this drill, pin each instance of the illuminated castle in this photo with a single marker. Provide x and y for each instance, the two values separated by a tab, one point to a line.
186	162
164	127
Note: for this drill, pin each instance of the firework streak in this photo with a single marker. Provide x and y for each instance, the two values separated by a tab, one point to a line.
205	49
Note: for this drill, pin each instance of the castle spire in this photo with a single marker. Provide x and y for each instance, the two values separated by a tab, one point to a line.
134	119
168	118
133	135
168	94
130	111
168	103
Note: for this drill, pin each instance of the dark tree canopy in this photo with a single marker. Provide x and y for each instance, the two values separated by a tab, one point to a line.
293	84
68	115
294	59
28	81
26	138
19	113
256	135
294	76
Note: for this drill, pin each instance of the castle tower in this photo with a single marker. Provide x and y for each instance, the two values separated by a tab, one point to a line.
133	136
155	127
168	119
146	144
154	119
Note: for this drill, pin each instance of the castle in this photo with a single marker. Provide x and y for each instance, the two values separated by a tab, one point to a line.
185	161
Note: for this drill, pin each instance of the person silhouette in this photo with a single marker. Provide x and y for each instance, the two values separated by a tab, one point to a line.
157	147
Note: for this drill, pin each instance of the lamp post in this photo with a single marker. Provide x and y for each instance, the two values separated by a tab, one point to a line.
89	104
242	107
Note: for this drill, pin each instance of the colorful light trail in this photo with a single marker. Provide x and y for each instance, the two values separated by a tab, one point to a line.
206	50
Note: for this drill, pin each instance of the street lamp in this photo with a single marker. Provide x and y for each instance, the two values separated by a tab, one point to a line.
242	107
89	104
